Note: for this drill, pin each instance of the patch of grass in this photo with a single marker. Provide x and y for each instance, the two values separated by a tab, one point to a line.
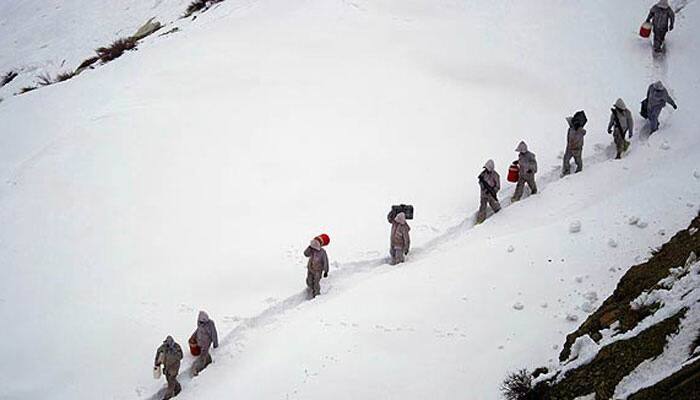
517	386
199	5
88	63
64	76
696	344
195	6
44	79
26	89
175	29
7	78
116	49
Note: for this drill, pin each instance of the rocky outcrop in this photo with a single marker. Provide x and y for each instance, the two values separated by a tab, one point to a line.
633	328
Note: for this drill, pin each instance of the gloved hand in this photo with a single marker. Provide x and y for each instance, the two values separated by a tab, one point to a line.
325	274
609	130
670	28
405	252
675	107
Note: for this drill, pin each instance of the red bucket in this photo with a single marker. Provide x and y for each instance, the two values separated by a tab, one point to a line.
513	173
645	30
195	350
323	239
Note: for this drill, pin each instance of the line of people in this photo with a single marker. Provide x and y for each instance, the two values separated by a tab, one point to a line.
620	126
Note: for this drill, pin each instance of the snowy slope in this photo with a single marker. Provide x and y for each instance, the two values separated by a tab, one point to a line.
53	36
191	174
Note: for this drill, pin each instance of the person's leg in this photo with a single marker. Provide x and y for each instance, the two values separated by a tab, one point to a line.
531	182
566	166
578	157
495	205
399	255
317	283
172	383
519	188
619	144
310	283
481	215
201	362
654	119
662	39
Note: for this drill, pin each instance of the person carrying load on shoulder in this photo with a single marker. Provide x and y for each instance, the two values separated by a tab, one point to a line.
400	239
317	267
574	142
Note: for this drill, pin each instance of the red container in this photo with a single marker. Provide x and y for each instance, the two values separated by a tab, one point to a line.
323	239
645	30
513	173
195	350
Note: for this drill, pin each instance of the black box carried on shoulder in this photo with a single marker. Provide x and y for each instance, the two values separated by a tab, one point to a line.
402	208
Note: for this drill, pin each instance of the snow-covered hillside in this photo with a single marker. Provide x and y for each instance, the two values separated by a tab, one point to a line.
192	173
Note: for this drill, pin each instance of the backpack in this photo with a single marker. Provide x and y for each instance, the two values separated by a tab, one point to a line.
579	120
644	112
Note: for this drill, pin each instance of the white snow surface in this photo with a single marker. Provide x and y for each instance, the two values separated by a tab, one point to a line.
192	173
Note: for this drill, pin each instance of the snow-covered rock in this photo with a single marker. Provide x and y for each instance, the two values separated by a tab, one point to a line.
571	317
575	227
612	243
518	306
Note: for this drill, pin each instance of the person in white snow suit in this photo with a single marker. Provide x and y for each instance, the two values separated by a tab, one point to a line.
168	357
574	146
527	163
317	267
205	336
621	123
490	184
400	240
662	18
657	97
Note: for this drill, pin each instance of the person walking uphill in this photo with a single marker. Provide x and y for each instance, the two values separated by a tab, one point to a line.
317	267
527	163
490	184
662	18
400	241
168	356
574	142
205	335
657	97
621	122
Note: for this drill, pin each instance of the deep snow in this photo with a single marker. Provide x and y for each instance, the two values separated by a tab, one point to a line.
191	174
